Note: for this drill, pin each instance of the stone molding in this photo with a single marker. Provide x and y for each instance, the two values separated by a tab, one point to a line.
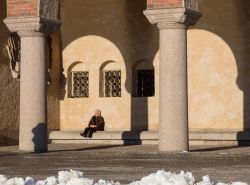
173	18
31	26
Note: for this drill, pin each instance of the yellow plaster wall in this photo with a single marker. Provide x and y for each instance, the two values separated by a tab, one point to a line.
93	33
215	101
219	68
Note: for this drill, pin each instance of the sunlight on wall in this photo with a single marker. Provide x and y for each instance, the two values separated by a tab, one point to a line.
215	101
94	51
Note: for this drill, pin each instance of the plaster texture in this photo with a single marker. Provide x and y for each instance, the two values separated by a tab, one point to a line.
218	66
114	41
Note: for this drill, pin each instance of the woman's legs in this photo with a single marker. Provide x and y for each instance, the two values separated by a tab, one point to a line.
90	132
85	132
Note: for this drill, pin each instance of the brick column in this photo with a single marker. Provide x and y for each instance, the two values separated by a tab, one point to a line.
172	23
33	25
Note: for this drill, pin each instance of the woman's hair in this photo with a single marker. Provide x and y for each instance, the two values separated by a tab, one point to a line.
98	112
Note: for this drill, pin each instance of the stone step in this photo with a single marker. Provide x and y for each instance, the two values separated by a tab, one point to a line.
220	138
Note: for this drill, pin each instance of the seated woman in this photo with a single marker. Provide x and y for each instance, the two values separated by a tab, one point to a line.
96	123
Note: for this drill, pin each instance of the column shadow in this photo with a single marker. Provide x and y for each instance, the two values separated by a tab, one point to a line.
40	138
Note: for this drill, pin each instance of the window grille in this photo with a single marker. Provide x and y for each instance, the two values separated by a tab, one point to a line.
145	83
80	84
112	83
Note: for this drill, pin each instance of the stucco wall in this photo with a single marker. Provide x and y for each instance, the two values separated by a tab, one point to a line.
93	33
54	83
9	91
219	67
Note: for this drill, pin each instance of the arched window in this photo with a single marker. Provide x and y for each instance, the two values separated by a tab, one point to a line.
78	81
143	79
110	80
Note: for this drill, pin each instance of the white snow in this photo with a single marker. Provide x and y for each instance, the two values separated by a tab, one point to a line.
73	177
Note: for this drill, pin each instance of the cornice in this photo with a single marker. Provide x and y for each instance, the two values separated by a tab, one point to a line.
175	18
31	26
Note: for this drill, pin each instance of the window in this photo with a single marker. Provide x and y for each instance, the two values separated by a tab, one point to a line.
80	87
145	83
112	85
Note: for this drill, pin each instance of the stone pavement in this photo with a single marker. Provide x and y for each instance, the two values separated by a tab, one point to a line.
127	163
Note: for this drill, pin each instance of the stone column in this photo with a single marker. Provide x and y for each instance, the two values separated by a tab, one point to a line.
33	82
33	92
173	130
173	23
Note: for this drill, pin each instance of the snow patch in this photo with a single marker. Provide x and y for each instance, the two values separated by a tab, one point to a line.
73	177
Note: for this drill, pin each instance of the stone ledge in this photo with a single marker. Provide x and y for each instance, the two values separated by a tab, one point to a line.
218	135
105	135
223	138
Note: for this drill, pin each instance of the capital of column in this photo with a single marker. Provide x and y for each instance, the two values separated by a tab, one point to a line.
31	26
172	18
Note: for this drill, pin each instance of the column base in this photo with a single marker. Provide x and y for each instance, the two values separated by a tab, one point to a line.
172	148
31	148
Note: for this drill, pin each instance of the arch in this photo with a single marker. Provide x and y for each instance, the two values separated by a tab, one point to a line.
74	65
105	64
143	64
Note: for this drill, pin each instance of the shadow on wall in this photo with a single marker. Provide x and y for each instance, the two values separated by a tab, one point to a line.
54	91
139	102
139	105
54	86
121	22
230	19
9	90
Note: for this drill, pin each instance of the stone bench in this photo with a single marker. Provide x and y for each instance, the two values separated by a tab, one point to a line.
105	137
218	138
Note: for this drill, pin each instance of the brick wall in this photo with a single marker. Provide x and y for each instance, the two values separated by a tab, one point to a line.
164	3
16	8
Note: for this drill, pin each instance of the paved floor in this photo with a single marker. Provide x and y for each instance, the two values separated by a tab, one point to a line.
127	163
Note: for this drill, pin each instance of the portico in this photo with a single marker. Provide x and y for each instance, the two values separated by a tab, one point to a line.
34	22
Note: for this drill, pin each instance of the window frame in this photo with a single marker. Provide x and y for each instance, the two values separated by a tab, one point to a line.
136	83
104	83
72	84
